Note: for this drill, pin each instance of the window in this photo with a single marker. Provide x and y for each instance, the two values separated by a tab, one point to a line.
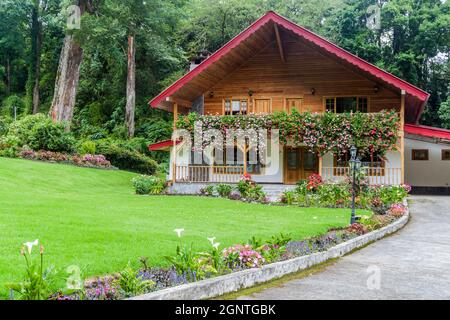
374	163
235	106
420	155
446	155
347	104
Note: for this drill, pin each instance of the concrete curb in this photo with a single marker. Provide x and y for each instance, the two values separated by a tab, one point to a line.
244	279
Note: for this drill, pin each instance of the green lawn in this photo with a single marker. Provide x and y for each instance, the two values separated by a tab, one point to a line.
92	218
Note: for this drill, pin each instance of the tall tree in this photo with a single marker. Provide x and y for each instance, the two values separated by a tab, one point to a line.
35	57
13	34
444	111
68	75
131	87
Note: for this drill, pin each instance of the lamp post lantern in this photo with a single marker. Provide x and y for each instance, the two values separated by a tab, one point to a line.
355	166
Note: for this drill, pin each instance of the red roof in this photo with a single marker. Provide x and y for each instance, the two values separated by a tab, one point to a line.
417	94
426	131
162	145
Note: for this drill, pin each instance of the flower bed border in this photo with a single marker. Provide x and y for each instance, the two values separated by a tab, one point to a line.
233	282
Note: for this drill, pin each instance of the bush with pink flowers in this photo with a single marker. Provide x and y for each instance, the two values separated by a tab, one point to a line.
88	160
397	209
242	256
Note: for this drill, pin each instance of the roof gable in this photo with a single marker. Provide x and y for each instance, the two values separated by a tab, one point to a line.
254	38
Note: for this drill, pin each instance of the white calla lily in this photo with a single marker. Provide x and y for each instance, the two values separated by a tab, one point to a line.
178	232
30	245
216	245
211	240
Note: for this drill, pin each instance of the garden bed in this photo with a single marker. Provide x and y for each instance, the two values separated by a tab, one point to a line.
242	265
233	282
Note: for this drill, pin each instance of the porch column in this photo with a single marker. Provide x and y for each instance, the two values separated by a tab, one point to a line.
174	148
320	165
402	136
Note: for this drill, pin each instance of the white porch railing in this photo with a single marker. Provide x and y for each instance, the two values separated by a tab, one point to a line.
232	174
376	176
206	174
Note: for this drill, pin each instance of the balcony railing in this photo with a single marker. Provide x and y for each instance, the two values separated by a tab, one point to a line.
206	174
232	174
375	175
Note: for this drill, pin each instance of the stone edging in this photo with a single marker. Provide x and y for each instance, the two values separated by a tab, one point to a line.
232	282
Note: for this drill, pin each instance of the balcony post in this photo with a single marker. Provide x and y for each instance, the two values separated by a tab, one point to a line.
174	154
320	165
402	137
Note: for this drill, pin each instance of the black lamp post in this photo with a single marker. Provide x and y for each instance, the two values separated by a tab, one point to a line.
355	166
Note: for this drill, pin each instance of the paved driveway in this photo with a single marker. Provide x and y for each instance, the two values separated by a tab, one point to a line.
412	264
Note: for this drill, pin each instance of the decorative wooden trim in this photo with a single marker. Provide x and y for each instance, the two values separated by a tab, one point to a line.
279	43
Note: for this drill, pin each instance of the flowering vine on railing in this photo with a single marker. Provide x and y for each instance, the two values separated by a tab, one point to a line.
322	132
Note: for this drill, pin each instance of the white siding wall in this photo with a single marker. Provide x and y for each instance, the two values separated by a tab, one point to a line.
432	173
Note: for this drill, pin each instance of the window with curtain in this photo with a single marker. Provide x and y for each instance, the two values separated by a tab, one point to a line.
235	106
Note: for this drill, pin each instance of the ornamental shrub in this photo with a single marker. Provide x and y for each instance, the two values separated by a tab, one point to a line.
87	147
207	191
5	122
224	190
242	256
39	132
288	197
148	185
51	136
126	159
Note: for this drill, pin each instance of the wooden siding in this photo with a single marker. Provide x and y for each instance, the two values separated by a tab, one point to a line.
305	68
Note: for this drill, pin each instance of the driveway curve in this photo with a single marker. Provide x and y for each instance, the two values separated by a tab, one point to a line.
414	263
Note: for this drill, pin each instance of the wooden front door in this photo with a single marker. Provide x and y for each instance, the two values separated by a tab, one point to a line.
299	164
294	103
261	106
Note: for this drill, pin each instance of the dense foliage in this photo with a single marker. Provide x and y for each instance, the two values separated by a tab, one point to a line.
324	132
412	42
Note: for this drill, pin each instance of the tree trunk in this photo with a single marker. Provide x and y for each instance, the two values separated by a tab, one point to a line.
68	75
8	76
67	80
37	71
131	87
35	60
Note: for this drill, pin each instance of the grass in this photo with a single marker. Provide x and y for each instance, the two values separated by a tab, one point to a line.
92	218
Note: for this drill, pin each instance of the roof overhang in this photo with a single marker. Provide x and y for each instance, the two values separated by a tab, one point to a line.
432	134
162	146
255	38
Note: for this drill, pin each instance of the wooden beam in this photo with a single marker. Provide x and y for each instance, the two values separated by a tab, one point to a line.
280	44
402	136
181	102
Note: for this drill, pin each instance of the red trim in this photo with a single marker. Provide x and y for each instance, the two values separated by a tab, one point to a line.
162	145
427	131
316	39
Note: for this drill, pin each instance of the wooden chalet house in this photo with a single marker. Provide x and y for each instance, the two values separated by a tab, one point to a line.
276	65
